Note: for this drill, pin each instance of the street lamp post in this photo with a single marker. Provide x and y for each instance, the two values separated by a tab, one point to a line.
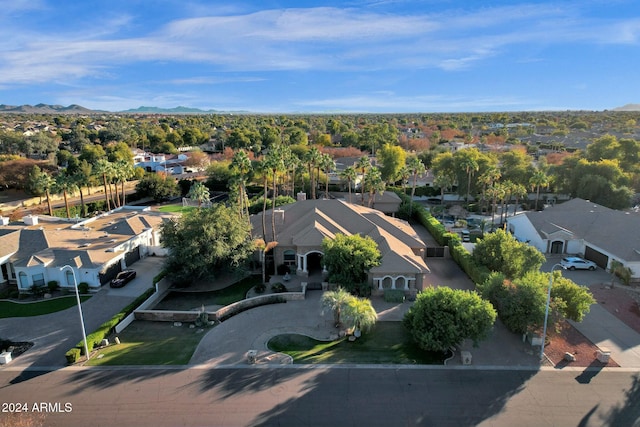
75	285
546	311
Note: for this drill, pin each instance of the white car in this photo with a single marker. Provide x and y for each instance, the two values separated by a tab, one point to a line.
577	263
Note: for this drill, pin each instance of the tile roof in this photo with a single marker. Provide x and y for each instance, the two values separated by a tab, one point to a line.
307	223
615	231
89	244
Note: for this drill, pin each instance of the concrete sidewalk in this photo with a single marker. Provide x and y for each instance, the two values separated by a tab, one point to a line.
607	331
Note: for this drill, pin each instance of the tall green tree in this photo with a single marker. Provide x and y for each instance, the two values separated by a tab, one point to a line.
393	158
443	317
500	251
348	260
159	187
205	242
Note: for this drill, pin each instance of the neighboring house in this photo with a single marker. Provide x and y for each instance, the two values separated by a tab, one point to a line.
33	252
167	163
579	226
302	226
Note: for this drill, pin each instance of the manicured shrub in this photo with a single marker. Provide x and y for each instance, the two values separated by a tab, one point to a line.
278	287
260	288
72	355
394	295
83	287
53	285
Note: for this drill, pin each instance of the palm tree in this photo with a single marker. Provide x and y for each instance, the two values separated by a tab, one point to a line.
443	181
488	178
350	174
538	179
46	183
360	314
103	168
199	192
363	164
470	166
241	165
82	177
263	169
375	184
327	164
416	167
65	184
518	191
275	163
126	171
336	301
312	159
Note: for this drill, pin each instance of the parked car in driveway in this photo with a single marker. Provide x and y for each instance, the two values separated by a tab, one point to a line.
577	263
124	277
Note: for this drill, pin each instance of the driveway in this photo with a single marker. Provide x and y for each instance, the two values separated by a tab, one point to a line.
228	342
53	334
600	326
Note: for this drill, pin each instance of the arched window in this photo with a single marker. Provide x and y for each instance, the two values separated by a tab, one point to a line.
24	282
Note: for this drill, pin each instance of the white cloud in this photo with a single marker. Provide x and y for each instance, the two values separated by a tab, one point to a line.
302	39
389	102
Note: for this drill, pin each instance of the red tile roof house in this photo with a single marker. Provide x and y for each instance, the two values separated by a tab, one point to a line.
302	226
579	226
34	251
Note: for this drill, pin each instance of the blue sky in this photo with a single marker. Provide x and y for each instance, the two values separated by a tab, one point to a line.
334	56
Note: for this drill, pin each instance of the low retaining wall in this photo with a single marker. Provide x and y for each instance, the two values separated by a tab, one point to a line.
221	315
162	288
167	316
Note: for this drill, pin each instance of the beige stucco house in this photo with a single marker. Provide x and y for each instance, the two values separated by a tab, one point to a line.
302	226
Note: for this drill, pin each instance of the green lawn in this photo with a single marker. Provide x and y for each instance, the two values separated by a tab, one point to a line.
387	342
176	208
38	308
151	343
191	300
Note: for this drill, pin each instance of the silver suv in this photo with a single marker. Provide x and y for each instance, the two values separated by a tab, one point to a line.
577	263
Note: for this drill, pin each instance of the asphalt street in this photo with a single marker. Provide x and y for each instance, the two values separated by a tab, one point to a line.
323	396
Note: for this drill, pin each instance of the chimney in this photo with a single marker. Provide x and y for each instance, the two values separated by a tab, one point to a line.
301	196
279	213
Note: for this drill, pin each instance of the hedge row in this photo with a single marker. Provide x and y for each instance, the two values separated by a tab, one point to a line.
106	328
477	273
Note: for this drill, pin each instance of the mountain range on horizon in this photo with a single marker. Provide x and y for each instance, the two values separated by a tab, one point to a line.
78	109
